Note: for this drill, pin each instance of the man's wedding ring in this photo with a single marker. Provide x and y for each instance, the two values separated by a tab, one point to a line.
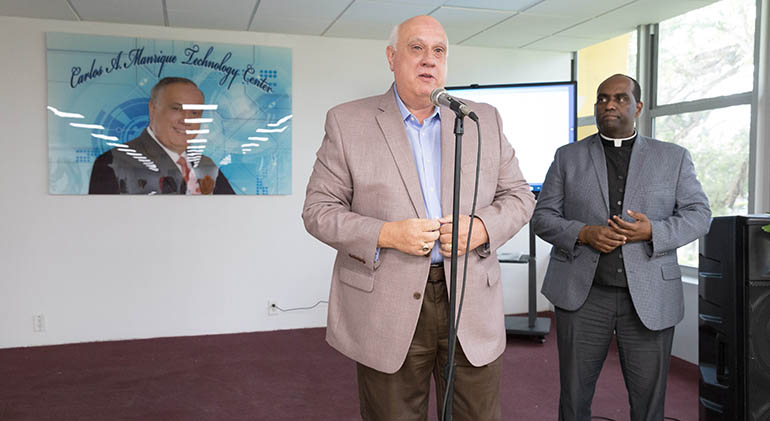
425	247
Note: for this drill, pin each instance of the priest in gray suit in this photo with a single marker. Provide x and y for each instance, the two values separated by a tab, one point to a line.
616	206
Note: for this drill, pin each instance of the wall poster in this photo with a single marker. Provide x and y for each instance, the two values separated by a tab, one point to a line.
151	116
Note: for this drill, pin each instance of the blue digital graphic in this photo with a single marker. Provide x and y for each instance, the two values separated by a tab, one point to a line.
99	89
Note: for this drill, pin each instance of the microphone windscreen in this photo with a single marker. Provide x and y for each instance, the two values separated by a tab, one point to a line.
435	95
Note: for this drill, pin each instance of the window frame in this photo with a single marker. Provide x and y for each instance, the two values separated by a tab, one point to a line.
648	43
759	130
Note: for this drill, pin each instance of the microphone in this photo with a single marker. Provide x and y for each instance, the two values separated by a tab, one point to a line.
440	97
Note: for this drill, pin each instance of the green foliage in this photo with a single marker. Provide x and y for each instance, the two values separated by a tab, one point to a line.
706	53
718	141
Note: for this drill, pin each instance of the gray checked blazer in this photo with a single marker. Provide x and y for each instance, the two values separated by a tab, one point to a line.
661	183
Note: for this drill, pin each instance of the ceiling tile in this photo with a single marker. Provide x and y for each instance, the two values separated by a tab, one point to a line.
627	18
431	4
540	24
580	9
509	5
38	9
374	19
461	24
508	40
558	43
521	30
601	28
143	12
651	11
559	25
305	17
223	14
379	31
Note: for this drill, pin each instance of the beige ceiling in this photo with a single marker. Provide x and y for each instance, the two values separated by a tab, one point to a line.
552	25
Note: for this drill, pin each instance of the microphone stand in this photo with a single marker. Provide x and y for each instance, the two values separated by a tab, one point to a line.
449	371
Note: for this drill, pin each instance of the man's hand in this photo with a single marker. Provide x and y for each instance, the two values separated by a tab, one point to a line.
206	185
479	235
639	230
604	239
412	236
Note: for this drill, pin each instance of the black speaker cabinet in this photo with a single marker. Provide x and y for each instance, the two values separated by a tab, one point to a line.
734	319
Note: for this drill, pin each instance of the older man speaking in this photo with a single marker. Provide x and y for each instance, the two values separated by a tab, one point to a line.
380	193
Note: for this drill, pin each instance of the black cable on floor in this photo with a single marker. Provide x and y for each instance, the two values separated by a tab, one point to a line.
300	308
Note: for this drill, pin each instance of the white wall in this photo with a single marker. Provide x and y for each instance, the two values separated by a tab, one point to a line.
102	268
685	344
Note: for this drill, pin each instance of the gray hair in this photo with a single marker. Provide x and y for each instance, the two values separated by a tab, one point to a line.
158	88
393	42
394	36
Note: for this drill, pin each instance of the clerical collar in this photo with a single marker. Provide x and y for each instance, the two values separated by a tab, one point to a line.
618	141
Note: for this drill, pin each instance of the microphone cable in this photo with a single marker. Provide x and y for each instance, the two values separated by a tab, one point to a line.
453	347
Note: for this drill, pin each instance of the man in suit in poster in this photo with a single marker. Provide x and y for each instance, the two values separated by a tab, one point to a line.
160	160
616	206
380	193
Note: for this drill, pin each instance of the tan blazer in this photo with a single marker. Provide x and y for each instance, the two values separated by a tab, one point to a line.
365	175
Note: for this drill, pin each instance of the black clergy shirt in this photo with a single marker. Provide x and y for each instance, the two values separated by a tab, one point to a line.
610	271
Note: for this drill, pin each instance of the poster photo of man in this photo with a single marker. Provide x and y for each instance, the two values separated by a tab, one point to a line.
139	116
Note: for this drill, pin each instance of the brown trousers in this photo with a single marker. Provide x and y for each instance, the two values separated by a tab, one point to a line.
404	394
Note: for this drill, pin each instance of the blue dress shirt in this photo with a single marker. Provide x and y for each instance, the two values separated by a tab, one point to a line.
425	140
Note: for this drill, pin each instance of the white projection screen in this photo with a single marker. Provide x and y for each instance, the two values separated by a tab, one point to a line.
538	118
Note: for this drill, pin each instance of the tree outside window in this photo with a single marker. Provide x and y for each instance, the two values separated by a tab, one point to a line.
709	53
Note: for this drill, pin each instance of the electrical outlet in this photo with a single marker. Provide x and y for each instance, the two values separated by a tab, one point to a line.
272	308
38	323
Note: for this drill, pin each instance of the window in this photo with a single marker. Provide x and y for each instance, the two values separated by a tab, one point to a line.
706	53
718	141
705	78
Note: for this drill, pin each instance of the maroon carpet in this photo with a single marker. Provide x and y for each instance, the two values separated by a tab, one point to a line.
281	375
